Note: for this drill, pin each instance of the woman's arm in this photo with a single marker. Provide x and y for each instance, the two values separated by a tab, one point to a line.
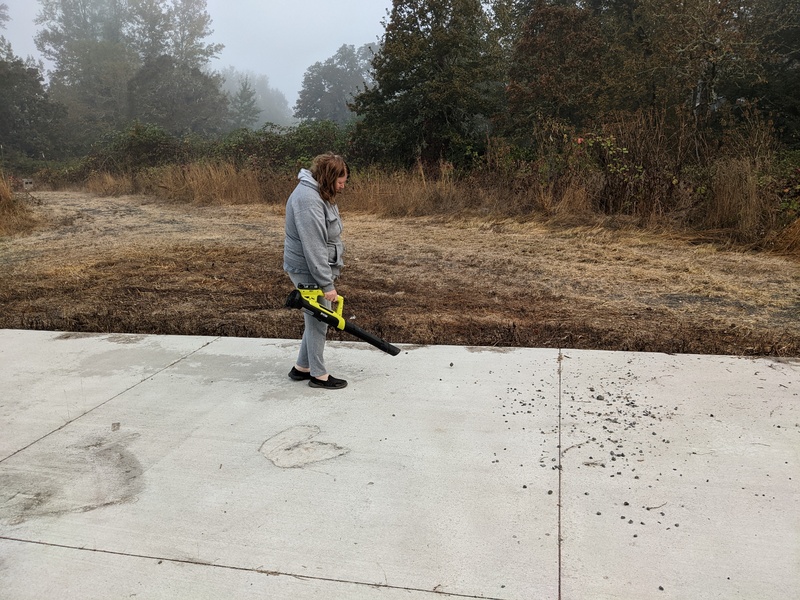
313	232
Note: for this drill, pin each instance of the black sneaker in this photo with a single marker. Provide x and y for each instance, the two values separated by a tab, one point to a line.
331	384
299	375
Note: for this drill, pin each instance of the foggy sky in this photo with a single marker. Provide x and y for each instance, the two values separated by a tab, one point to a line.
275	38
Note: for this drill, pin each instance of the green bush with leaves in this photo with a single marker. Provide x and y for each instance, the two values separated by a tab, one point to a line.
281	147
142	146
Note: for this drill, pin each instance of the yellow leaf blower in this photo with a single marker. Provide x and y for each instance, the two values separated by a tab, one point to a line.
308	298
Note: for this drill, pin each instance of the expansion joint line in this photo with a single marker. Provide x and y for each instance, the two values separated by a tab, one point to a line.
252	570
560	471
114	397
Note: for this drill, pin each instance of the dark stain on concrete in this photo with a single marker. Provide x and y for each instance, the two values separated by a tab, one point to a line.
296	447
95	472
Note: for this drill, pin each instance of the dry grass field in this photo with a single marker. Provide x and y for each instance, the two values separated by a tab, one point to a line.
136	264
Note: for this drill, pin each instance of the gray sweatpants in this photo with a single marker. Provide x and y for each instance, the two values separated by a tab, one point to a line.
312	346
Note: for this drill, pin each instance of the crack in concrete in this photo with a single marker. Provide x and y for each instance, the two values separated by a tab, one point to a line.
257	570
560	470
114	397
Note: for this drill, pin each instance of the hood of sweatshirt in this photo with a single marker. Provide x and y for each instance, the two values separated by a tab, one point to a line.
306	178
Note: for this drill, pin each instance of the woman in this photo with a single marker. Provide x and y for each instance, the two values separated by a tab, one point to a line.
312	255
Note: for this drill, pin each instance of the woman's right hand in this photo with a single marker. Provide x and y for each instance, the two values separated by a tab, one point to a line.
331	296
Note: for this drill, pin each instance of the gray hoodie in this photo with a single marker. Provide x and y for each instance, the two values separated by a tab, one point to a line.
313	242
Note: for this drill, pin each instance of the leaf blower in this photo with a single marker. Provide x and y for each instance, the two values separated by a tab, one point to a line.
308	297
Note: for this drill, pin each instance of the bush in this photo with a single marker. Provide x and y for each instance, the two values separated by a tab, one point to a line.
142	146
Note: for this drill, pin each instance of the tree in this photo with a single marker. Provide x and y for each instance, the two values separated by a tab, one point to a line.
557	66
29	120
691	49
782	70
329	87
272	104
86	41
667	54
4	18
243	108
436	84
95	94
71	26
178	98
506	17
775	31
581	60
190	24
99	47
148	28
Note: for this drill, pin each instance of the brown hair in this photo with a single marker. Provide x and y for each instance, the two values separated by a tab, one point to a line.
326	169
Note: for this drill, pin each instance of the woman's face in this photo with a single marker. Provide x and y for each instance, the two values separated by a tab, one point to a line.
340	182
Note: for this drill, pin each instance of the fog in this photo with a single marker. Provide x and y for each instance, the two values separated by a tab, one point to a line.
267	37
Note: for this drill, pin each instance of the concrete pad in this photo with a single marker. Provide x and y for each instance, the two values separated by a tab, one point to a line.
101	575
680	476
51	379
193	467
220	459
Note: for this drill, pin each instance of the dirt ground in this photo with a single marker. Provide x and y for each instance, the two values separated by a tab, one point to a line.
132	264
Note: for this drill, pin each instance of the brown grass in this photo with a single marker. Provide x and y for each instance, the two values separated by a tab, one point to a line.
788	241
196	183
209	183
403	194
412	194
135	264
106	184
734	211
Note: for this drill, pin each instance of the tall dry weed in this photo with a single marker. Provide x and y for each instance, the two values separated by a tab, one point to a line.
6	195
106	184
788	240
575	204
407	194
532	197
735	203
15	216
209	183
751	136
415	194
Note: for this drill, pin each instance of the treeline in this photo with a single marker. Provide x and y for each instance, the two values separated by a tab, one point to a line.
650	108
117	62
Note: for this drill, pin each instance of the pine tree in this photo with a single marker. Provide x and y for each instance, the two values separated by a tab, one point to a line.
244	108
437	84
